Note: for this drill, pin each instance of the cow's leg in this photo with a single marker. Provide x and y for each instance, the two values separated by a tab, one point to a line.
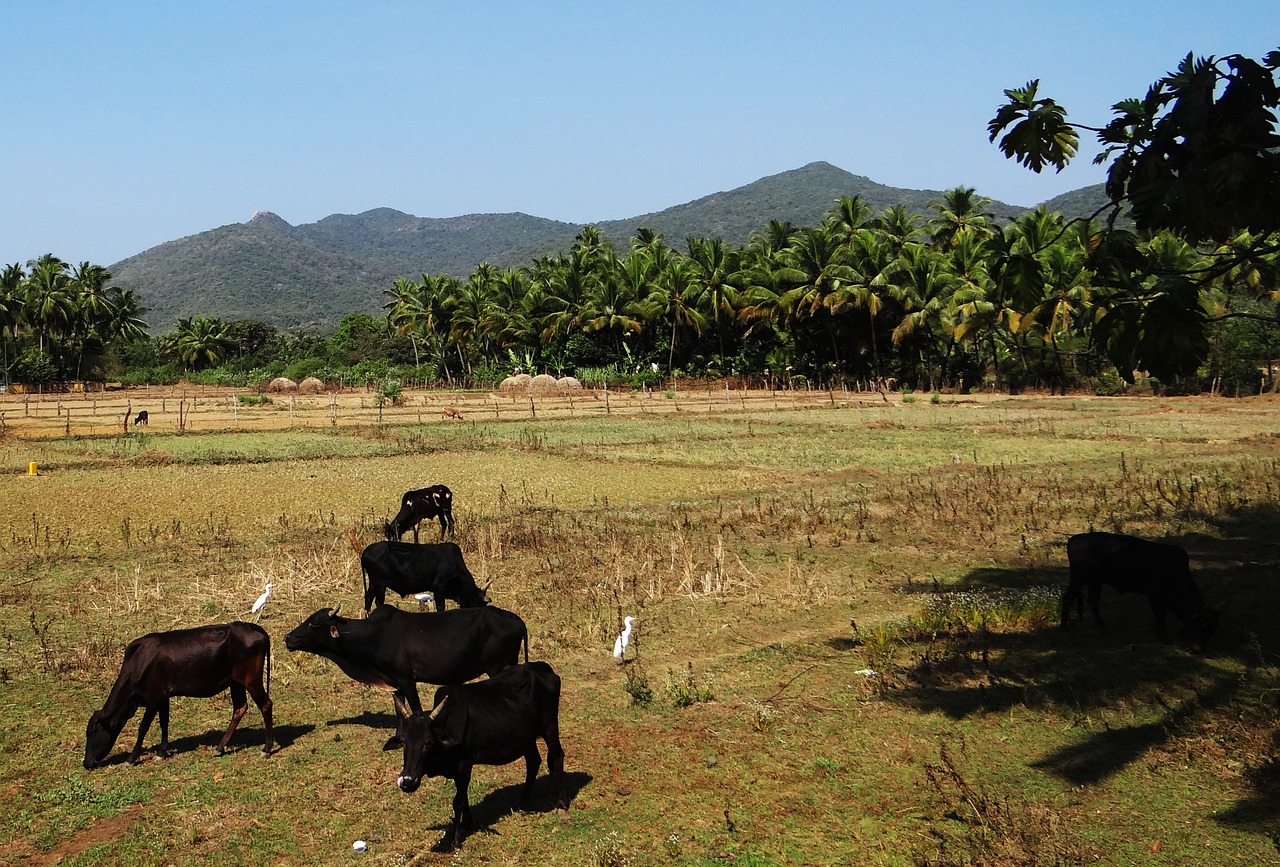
238	706
1095	596
555	764
1160	615
461	811
532	762
143	727
1071	594
263	701
163	751
439	600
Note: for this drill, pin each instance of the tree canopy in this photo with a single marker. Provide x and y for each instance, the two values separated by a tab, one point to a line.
1197	157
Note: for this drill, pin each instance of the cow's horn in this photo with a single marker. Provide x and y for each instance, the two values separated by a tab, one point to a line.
333	612
435	711
487	585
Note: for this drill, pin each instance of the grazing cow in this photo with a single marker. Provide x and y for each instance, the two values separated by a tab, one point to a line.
489	722
405	568
397	650
417	506
141	418
1157	570
198	662
451	412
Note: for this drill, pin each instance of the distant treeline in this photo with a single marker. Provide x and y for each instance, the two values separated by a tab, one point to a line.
950	300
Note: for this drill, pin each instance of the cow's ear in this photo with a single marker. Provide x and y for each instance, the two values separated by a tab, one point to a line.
333	631
450	731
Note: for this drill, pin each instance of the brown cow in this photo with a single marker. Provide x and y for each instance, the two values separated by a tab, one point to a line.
199	662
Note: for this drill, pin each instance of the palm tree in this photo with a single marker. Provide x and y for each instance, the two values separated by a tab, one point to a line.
870	255
674	299
817	266
961	209
613	305
925	285
11	307
716	265
200	342
50	304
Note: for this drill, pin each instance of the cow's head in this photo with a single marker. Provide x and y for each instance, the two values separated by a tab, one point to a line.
316	632
1199	628
474	597
99	737
420	734
390	531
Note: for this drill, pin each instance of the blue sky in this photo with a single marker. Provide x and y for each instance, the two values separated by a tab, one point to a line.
129	124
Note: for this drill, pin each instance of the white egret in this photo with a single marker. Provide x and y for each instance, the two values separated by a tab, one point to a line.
623	639
262	600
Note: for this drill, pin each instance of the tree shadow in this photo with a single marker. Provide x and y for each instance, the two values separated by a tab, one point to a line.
1082	669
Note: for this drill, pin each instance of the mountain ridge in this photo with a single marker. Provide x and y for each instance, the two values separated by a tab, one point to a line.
311	274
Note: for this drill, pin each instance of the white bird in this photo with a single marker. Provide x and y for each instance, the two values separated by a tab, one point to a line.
623	639
262	600
425	598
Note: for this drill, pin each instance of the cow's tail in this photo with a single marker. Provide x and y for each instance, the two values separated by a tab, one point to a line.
268	668
364	583
526	647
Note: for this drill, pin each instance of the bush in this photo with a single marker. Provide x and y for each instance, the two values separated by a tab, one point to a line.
1109	383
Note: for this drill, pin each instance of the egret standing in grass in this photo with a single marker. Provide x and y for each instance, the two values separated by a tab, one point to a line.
262	600
623	639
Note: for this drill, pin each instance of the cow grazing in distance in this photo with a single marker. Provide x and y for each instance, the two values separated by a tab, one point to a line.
489	722
451	412
141	418
417	506
405	568
199	662
396	650
1157	570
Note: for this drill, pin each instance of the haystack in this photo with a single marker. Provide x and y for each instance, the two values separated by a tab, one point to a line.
519	382
543	382
282	383
569	383
311	385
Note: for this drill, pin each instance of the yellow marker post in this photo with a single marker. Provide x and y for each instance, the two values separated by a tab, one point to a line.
32	469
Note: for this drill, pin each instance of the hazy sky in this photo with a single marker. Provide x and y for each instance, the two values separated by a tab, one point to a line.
129	123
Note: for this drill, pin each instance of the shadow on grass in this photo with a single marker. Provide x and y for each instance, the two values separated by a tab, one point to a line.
498	803
244	739
1237	564
373	719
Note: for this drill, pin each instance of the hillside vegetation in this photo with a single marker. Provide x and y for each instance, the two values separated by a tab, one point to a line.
311	275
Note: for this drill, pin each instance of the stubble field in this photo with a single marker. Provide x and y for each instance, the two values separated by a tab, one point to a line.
747	532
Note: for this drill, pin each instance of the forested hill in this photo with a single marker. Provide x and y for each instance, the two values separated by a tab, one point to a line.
311	275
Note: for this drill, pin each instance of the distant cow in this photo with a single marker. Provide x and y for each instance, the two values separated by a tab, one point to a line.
451	412
489	722
1157	570
396	650
198	662
405	568
417	506
141	418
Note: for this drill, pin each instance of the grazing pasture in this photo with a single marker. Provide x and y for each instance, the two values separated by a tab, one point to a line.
753	724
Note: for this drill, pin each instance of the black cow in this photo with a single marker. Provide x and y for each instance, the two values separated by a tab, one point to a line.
198	662
490	722
405	567
1158	570
422	504
397	650
141	418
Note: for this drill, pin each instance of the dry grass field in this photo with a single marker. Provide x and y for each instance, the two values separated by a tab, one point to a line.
747	532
